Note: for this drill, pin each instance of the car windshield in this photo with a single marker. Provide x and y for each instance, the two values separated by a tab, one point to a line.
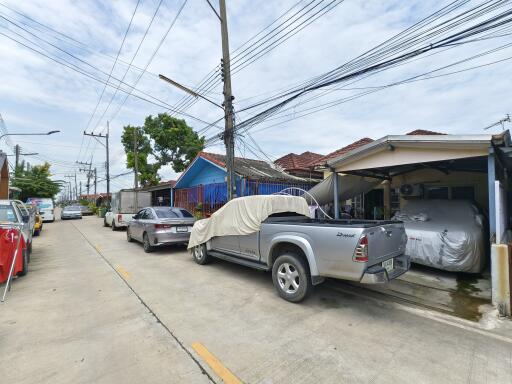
42	204
172	213
7	214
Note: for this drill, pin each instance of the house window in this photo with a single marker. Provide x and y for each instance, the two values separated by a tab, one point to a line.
437	193
463	193
395	200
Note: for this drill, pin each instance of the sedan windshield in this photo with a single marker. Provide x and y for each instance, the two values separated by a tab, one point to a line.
7	214
172	213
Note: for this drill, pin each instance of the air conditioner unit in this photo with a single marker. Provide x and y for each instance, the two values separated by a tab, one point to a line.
411	190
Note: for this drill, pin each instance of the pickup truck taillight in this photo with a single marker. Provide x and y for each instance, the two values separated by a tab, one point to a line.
119	218
361	252
162	226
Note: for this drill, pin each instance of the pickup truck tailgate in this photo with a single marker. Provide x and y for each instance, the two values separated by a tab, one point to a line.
385	241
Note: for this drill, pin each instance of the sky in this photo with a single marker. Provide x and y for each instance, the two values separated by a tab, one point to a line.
39	95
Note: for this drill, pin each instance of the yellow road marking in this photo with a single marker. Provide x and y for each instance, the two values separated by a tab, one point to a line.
98	248
225	374
123	272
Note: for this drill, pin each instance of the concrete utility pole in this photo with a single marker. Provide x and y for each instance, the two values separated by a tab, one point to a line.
229	139
76	189
80	189
95	181
107	164
136	169
17	156
88	172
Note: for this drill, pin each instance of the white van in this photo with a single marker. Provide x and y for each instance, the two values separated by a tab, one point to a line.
45	206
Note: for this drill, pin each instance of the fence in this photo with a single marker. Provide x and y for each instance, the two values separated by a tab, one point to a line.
206	199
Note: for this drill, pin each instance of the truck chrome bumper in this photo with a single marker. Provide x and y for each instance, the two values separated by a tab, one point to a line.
376	274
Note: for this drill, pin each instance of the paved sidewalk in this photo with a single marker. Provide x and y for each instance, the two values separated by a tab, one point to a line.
73	320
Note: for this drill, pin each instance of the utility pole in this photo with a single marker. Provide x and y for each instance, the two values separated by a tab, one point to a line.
17	156
229	139
76	189
80	189
107	164
88	172
95	181
136	168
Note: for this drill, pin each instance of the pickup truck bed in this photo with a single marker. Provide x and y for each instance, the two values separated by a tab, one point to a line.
367	251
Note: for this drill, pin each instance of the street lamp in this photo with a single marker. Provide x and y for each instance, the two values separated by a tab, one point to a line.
28	134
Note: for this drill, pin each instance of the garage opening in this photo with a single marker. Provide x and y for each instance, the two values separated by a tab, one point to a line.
444	189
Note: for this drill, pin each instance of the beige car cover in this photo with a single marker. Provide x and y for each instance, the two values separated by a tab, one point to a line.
244	215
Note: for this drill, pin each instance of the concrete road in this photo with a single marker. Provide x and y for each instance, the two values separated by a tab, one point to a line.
97	309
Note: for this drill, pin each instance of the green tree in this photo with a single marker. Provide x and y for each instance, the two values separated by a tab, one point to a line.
164	138
34	182
174	141
148	173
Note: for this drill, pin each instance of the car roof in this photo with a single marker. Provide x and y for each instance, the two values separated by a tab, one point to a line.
6	202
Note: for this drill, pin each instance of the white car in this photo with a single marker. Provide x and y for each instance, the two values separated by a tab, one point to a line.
46	208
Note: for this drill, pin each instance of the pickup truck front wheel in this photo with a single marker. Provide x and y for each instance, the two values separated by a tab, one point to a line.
291	278
200	255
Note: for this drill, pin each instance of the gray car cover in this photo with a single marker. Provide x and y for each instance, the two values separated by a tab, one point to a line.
445	234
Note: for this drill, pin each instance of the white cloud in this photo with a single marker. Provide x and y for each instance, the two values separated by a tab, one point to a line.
38	93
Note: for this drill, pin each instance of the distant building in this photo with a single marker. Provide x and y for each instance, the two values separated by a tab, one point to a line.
300	165
161	194
202	186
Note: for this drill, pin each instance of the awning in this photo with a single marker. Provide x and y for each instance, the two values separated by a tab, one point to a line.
348	187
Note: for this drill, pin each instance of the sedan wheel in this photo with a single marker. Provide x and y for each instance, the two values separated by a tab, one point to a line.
291	277
146	244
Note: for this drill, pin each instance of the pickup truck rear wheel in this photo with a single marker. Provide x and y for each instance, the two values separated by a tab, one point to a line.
114	228
291	278
200	255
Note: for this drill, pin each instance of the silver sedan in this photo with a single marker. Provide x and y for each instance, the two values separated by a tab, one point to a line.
155	226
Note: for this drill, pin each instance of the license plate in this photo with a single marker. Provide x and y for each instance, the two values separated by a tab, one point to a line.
181	229
388	265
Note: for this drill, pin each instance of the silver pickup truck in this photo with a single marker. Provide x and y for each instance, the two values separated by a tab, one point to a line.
302	251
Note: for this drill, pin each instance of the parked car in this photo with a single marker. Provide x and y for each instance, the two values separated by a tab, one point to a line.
10	213
86	211
29	219
274	233
445	234
71	212
45	206
156	226
124	205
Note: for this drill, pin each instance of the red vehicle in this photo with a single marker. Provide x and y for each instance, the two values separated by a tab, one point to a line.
11	224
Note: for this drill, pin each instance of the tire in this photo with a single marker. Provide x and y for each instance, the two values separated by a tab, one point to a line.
128	235
200	254
105	223
148	248
24	271
114	228
291	277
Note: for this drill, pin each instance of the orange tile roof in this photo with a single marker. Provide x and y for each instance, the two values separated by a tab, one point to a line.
341	151
292	161
423	132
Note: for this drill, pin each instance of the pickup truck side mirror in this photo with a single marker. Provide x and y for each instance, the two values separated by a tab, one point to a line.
135	217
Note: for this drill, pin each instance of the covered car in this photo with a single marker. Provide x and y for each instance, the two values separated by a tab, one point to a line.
244	215
444	234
